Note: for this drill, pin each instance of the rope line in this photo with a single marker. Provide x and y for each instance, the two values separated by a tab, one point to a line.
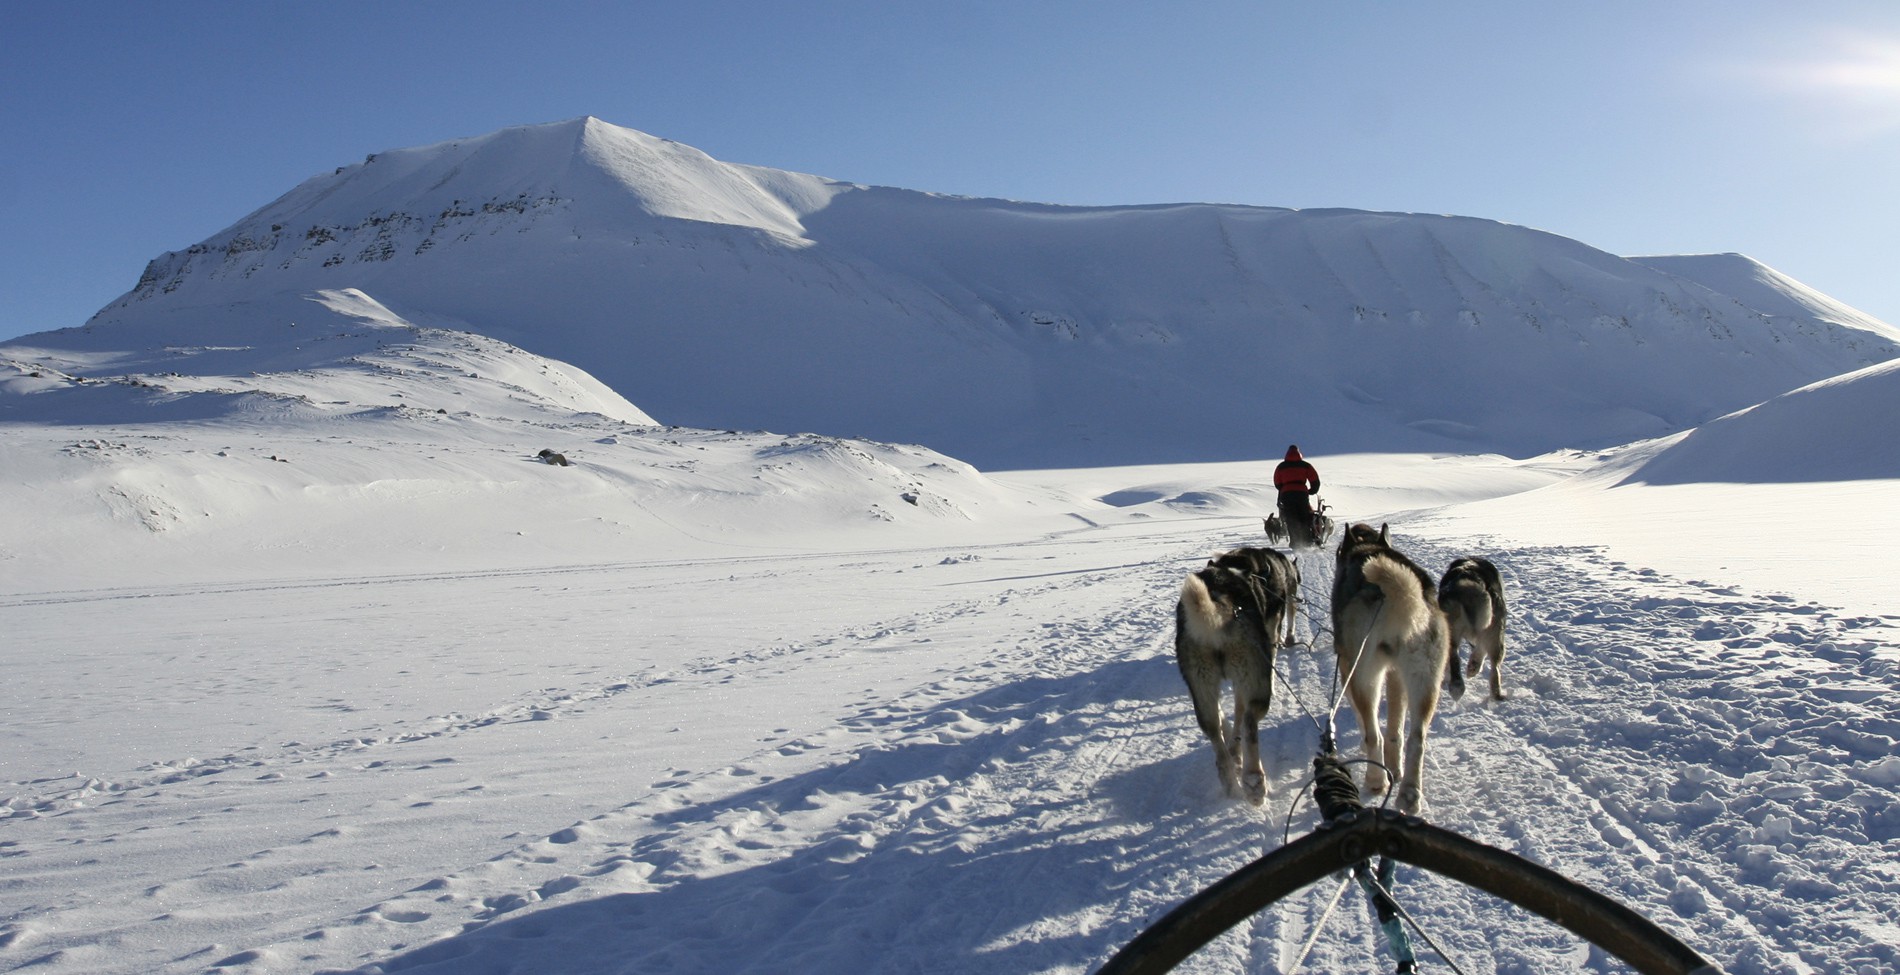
1286	831
1339	793
1386	912
1294	693
1319	927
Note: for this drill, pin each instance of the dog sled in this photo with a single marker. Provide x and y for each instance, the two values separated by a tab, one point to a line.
1343	846
1277	533
1352	834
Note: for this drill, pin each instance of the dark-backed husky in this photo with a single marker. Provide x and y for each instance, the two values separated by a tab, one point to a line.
1275	529
1273	571
1472	596
1390	636
1232	617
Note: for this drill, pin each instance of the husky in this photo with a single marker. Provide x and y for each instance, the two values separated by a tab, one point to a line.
1275	529
1274	572
1231	619
1472	596
1391	637
1277	533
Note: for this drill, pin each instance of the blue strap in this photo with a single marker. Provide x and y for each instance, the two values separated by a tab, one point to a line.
1389	921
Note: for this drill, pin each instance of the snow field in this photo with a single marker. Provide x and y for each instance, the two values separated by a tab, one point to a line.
981	759
313	666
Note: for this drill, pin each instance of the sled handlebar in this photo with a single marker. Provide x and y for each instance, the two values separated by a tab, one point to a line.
1356	836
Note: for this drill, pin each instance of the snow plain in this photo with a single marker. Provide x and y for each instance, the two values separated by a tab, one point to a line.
314	666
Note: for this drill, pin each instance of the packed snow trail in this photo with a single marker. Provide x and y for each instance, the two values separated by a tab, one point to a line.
1738	751
995	770
1037	810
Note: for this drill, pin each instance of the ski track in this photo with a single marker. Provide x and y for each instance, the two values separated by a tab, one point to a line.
1723	763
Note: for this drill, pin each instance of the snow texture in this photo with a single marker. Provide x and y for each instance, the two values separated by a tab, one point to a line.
316	663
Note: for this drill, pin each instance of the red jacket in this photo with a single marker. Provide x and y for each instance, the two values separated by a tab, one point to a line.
1295	475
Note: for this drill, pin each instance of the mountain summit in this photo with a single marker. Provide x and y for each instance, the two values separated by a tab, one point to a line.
1020	334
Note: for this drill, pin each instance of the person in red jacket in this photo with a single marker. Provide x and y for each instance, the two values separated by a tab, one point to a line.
1297	482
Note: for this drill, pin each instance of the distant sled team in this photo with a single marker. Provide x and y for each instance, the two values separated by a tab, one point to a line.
1396	637
1278	534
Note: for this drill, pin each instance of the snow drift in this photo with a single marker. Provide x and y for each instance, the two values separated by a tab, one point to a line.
284	426
1839	429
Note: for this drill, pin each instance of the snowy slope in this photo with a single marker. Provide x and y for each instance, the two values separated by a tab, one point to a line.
341	346
1839	429
1015	334
1757	286
276	427
313	666
922	753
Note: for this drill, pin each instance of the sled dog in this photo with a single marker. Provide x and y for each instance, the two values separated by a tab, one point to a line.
1274	572
1391	637
1277	533
1472	596
1230	621
1275	529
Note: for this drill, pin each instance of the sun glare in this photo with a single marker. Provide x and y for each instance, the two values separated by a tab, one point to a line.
1851	80
1863	66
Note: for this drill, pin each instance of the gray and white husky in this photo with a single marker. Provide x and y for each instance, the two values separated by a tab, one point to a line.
1472	596
1233	615
1391	637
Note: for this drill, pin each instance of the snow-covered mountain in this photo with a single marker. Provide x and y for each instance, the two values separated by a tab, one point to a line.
315	665
1013	334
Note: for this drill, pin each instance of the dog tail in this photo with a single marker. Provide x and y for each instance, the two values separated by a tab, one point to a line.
1200	615
1404	597
1472	602
1480	612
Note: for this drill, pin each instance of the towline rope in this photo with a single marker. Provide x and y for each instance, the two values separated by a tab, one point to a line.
1337	795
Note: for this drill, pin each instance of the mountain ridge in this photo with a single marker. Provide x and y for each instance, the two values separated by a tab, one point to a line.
1019	334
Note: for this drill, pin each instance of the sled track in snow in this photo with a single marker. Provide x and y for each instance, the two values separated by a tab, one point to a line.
1720	762
1690	774
1744	772
1060	795
988	789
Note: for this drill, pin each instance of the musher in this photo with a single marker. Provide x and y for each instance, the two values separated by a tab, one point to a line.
1297	482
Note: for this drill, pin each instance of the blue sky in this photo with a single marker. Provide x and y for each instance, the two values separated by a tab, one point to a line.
1768	128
